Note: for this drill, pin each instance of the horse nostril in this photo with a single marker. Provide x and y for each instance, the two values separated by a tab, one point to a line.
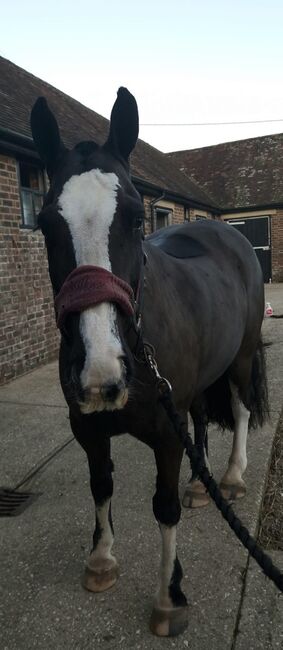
109	392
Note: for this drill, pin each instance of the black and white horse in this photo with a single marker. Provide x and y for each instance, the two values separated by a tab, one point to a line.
201	307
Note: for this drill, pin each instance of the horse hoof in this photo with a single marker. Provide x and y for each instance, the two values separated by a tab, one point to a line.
168	622
100	575
234	491
195	495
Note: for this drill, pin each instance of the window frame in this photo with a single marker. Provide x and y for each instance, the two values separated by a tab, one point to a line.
33	193
167	212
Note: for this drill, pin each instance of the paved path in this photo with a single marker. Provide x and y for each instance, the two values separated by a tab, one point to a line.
42	604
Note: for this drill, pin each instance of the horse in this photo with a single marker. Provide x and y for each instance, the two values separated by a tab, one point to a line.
193	293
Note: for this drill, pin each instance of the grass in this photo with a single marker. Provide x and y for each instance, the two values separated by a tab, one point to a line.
271	520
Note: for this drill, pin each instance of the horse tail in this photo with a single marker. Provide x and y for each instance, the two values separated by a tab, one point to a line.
217	397
217	401
259	406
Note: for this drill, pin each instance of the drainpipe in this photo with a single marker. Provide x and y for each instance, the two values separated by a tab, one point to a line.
152	215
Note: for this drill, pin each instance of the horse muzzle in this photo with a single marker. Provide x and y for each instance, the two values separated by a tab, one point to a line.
108	397
92	291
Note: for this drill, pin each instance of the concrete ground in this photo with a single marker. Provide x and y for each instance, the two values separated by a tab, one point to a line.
232	605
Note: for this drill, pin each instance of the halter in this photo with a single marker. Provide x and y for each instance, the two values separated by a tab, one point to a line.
89	285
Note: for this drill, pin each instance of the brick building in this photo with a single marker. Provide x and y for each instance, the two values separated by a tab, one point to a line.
241	182
28	335
245	180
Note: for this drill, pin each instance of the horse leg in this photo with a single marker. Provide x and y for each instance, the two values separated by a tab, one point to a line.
232	484
170	612
101	571
195	495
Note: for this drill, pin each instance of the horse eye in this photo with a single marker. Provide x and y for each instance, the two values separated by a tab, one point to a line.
138	223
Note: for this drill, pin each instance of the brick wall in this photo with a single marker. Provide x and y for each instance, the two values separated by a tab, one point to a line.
179	213
277	246
147	224
194	213
28	336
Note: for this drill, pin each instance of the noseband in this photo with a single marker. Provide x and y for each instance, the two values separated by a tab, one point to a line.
89	285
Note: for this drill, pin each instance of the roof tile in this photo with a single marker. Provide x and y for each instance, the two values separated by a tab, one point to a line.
240	174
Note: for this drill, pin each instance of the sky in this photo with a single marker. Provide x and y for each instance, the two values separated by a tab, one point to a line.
186	61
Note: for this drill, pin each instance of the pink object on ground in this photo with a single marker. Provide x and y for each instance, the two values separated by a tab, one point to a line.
268	309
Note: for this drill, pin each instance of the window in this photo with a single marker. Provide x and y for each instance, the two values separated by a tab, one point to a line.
163	217
32	192
199	217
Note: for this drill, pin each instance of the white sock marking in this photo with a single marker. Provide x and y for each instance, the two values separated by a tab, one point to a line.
105	543
168	556
238	458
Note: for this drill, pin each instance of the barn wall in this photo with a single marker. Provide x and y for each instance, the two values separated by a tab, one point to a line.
195	213
277	246
179	213
28	336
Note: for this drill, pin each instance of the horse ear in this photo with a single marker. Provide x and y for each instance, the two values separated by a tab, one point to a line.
45	133
124	124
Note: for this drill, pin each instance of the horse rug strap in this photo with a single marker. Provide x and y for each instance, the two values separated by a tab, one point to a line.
89	285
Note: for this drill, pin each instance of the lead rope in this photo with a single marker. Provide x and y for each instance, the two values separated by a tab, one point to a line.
198	466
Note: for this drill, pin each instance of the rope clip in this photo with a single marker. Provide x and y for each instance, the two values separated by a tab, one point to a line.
163	385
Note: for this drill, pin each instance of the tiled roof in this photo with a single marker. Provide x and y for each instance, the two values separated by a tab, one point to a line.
18	91
245	173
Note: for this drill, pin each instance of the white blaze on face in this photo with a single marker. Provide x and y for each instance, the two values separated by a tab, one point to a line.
88	204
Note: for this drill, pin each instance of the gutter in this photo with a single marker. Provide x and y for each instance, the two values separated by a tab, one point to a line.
16	143
152	213
16	138
145	187
253	208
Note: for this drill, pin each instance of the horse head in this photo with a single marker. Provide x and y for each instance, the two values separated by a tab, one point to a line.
92	224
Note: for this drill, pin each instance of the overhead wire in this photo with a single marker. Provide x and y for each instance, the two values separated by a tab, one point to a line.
210	123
